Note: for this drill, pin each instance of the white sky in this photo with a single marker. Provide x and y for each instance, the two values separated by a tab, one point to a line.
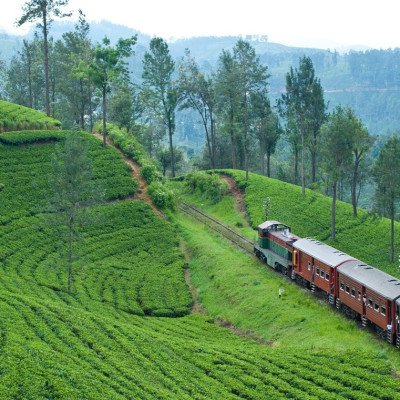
312	23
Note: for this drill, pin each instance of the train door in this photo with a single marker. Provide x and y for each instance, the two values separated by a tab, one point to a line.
397	318
312	271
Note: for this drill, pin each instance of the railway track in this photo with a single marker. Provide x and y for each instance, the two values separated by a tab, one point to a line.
236	238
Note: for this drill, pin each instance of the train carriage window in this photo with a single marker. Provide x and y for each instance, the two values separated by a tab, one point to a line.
383	309
327	276
353	292
341	285
358	295
347	288
309	266
322	273
370	302
376	306
317	270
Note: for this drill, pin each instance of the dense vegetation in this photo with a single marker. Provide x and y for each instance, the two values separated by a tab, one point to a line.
14	117
366	236
108	338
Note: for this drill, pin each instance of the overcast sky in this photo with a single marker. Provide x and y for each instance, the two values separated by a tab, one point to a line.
307	23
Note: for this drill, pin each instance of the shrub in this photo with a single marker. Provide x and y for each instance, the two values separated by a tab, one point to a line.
210	185
149	173
161	195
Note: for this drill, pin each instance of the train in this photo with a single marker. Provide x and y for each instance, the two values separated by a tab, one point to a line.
354	287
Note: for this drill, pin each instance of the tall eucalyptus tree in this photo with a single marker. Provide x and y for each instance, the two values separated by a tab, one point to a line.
44	11
251	79
160	91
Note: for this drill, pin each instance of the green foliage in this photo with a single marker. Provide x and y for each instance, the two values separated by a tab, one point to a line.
365	237
161	194
14	117
126	142
205	184
149	173
96	344
24	171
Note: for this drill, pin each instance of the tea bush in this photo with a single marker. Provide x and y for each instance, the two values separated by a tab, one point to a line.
14	117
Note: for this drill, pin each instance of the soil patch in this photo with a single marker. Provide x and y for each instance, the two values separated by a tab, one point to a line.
141	193
236	193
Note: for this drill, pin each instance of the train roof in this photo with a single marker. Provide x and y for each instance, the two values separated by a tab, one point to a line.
267	224
372	278
321	251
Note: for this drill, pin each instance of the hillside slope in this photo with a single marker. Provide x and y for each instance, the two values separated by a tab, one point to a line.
110	339
366	237
96	343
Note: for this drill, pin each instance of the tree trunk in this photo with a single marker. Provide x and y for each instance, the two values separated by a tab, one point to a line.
104	115
392	231
354	197
262	153
171	148
296	165
268	165
246	159
313	165
90	110
82	107
46	63
30	84
303	178
213	142
334	211
232	117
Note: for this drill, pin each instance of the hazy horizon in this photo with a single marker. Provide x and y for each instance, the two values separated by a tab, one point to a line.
310	23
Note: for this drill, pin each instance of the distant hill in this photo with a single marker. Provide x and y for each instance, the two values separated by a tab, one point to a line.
367	81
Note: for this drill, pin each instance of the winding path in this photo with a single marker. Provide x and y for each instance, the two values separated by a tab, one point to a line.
141	193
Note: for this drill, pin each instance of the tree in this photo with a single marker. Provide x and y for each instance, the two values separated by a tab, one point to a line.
227	95
361	144
108	66
25	76
198	92
387	177
252	78
302	98
160	91
165	158
43	10
267	128
74	84
316	116
73	191
337	151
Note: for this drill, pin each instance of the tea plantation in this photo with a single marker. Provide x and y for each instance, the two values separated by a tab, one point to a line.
110	339
15	117
366	237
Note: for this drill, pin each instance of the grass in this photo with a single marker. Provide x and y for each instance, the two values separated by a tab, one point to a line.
91	345
237	288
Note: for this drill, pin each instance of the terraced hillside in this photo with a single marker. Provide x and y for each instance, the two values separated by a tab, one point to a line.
366	237
14	117
110	339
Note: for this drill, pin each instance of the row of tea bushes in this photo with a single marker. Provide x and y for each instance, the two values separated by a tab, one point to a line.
159	190
14	117
366	237
25	171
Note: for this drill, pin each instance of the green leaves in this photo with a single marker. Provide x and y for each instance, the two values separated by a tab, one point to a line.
14	117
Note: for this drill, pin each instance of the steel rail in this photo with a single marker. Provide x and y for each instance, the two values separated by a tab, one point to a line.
227	232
